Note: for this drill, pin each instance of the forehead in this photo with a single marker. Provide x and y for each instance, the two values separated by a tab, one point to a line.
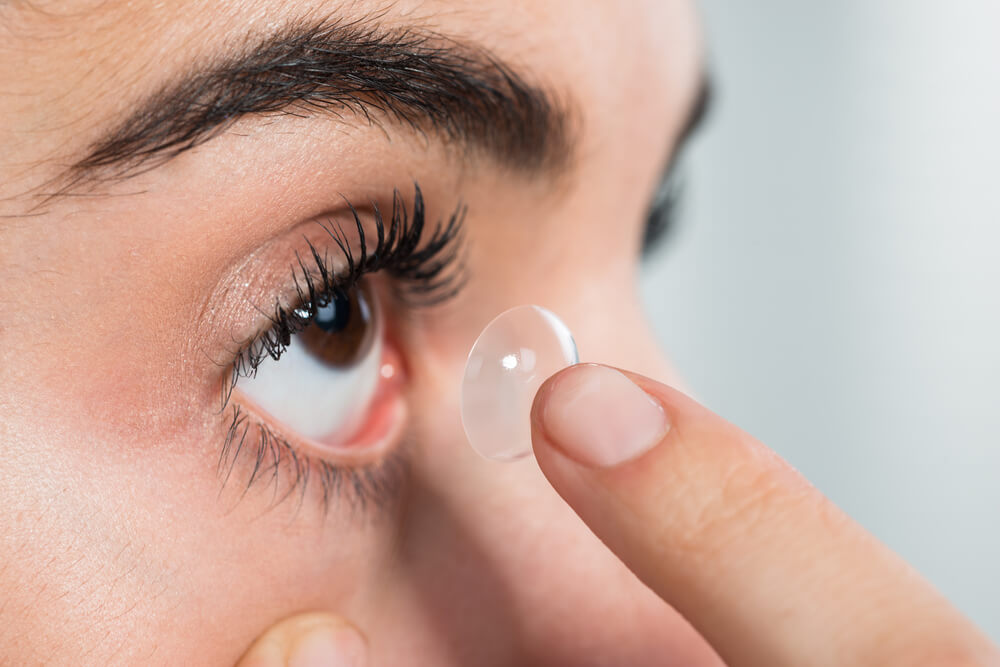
142	29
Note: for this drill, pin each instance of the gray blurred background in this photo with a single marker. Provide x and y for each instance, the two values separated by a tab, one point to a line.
832	286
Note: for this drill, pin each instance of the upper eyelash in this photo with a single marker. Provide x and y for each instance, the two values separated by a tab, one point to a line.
426	273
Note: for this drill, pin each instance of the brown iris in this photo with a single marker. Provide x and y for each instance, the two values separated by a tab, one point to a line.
341	333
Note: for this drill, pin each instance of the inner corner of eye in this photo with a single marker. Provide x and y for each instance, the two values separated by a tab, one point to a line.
336	387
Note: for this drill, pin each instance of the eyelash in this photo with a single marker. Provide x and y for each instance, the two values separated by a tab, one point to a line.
424	274
270	453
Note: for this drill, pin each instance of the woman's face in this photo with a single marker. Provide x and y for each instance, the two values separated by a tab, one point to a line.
167	172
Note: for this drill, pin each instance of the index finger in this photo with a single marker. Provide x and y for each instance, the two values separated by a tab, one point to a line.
763	565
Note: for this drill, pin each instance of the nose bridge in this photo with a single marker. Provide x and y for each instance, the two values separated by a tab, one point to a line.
509	573
462	553
500	568
480	540
502	520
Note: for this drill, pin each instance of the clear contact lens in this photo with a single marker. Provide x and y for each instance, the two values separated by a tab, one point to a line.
513	355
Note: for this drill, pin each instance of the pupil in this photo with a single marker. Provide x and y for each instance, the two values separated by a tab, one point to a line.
335	315
343	330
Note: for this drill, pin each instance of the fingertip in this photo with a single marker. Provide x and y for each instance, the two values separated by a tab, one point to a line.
597	416
335	645
308	640
542	397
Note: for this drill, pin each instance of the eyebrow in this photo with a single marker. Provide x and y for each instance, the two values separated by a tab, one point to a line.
425	81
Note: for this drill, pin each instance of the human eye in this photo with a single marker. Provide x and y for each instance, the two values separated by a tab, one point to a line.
317	394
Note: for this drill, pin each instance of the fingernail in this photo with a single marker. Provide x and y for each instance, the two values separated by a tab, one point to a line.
600	418
330	647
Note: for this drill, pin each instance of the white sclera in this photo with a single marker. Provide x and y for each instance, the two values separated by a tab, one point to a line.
507	364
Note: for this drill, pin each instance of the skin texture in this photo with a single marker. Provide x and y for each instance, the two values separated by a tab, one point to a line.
119	543
124	301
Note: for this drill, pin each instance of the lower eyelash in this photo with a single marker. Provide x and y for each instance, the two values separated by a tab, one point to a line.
274	461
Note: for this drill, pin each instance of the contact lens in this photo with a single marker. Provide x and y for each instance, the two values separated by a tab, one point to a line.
509	361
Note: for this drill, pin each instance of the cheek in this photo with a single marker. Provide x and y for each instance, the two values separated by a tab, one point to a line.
117	559
84	570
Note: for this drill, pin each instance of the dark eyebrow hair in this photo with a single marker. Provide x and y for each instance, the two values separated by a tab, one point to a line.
425	81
